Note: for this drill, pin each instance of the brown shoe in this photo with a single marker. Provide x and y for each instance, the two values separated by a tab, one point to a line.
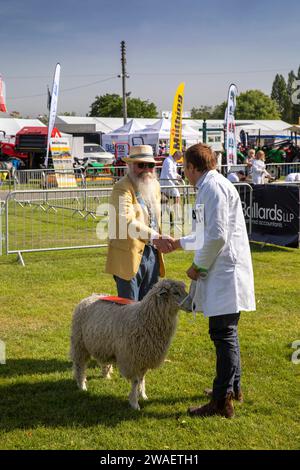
237	395
222	407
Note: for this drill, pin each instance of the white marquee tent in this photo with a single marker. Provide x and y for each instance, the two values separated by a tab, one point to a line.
120	136
160	130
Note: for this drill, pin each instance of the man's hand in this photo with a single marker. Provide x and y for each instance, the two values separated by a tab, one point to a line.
192	273
164	244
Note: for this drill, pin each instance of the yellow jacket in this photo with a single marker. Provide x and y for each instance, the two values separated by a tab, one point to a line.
129	231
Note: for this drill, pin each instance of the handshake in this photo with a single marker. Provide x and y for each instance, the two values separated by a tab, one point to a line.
166	244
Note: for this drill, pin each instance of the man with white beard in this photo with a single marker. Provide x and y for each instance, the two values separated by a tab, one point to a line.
133	256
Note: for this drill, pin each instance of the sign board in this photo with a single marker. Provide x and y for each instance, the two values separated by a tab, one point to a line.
275	214
63	163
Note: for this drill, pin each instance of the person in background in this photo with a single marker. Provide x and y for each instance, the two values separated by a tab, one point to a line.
241	154
249	161
219	158
259	172
170	178
236	177
292	178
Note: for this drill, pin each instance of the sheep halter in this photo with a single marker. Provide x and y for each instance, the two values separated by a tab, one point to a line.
116	300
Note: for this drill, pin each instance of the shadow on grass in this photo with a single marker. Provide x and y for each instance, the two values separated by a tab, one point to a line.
26	366
60	403
257	247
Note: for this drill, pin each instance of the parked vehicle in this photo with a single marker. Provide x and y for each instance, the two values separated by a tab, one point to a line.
91	171
96	154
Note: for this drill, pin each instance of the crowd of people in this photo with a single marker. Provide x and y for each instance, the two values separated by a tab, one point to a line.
256	172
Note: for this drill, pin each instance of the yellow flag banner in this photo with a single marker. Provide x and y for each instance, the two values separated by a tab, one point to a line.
176	123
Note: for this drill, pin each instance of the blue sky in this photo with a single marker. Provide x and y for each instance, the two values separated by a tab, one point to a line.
206	44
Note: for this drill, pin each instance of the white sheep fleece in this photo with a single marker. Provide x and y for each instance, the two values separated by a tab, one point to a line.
135	337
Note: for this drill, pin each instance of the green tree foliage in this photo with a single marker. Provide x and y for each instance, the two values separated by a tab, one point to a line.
107	106
254	104
15	115
293	93
285	96
282	98
141	109
111	105
204	112
209	112
68	113
219	111
44	118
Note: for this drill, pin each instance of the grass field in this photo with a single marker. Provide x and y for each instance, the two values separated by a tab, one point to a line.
41	407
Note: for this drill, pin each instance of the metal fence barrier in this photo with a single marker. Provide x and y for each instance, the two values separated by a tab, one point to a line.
95	178
279	170
56	219
50	178
64	219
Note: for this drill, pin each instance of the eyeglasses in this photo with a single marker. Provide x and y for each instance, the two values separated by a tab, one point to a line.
142	165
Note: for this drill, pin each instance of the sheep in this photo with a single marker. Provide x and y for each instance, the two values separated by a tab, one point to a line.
135	337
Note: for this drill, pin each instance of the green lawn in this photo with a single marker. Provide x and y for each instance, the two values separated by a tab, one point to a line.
41	407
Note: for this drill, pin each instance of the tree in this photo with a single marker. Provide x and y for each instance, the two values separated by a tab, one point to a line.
67	113
281	96
219	111
44	118
209	112
204	112
254	104
15	115
111	105
141	109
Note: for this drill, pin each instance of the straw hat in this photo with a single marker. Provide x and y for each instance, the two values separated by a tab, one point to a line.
140	153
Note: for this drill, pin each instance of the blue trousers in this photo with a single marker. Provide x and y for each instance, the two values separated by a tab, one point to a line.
145	278
223	331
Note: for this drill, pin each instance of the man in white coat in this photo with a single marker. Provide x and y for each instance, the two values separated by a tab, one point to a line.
222	267
171	195
170	177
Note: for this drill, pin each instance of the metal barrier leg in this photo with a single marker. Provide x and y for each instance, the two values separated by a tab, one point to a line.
20	259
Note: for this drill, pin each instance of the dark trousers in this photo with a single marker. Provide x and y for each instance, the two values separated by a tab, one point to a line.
223	331
147	275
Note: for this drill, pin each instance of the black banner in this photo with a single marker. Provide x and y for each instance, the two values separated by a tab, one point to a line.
275	214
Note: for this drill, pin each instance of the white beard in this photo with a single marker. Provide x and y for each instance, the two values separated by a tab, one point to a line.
146	185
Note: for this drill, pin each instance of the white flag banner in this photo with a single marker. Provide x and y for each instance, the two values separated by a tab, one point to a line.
53	109
3	108
231	147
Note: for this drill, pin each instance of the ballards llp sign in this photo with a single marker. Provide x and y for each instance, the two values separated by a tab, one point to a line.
271	216
275	214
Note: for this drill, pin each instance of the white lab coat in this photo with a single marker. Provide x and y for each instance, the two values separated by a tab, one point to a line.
169	177
229	285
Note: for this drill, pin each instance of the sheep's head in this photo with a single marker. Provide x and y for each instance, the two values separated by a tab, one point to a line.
172	292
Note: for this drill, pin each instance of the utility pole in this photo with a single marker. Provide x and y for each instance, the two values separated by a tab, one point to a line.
124	76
